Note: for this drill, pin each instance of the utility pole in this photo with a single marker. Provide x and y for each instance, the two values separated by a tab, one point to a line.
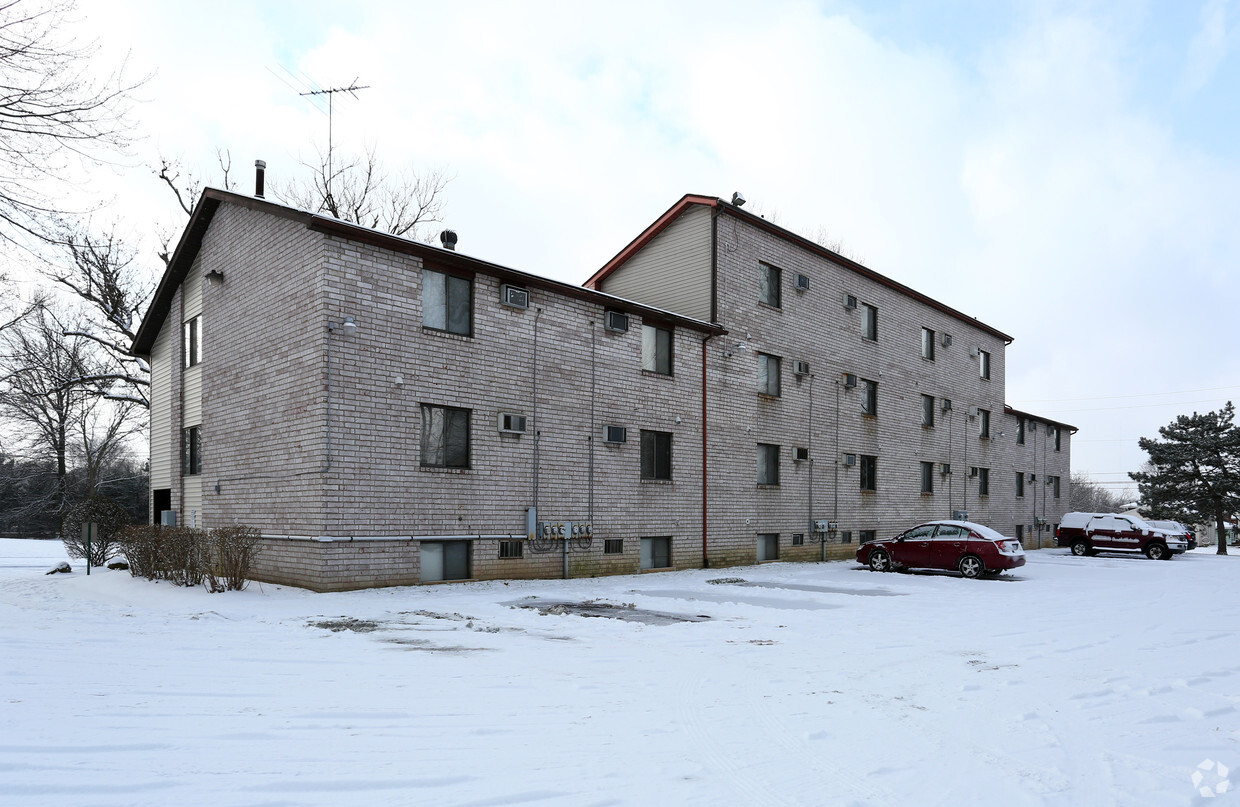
352	89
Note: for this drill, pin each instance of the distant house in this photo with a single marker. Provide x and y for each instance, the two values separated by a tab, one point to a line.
722	392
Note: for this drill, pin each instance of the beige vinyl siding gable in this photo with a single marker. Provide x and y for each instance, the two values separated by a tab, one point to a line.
672	272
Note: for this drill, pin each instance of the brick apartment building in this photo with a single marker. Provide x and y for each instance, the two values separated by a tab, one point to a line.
722	392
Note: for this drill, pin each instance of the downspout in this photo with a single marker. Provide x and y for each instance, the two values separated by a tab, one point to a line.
534	408
809	504
835	507
590	437
705	554
950	491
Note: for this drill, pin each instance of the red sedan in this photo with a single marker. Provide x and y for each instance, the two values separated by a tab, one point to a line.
971	549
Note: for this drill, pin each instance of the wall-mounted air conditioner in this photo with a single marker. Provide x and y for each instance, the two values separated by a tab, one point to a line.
973	471
850	460
850	380
511	423
800	453
947	340
850	302
972	411
973	351
616	321
802	368
614	434
802	282
945	468
514	296
947	404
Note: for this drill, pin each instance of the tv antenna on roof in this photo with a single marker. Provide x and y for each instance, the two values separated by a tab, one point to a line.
352	89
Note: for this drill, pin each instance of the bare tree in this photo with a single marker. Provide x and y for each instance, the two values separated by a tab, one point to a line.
186	188
1087	496
53	114
363	192
99	269
42	395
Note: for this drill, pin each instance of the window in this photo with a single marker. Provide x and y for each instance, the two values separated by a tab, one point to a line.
1020	484
983	424
983	481
869	322
657	349
191	451
1057	433
866	535
656	455
657	553
869	397
846	537
1020	431
769	284
768	374
444	560
927	477
447	302
983	364
798	539
927	410
768	464
1020	533
869	472
927	344
1054	480
445	437
768	546
193	341
613	546
510	549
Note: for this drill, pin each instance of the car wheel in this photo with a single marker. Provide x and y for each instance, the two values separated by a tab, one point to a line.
880	561
1080	548
1156	551
971	566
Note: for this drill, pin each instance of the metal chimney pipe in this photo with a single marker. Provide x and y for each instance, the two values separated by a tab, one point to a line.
448	239
260	175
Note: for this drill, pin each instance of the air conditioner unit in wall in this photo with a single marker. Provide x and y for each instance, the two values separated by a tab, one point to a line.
850	380
947	404
945	468
514	296
850	460
947	340
800	454
850	302
973	471
802	368
616	321
614	434
972	411
802	282
973	351
511	423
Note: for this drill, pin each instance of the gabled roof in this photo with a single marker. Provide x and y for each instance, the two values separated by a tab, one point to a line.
725	208
1029	416
191	242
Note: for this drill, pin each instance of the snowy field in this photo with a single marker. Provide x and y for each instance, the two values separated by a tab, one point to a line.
1075	681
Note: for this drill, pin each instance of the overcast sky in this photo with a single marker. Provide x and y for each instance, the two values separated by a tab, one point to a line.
1066	172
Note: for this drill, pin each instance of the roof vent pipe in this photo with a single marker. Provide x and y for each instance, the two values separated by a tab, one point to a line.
448	239
260	176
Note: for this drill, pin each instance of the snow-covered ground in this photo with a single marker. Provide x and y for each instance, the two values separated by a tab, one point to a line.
1075	681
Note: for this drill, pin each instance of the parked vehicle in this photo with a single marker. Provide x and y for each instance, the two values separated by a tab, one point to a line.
1176	528
971	549
1090	533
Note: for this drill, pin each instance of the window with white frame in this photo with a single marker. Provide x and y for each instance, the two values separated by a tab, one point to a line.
192	339
983	364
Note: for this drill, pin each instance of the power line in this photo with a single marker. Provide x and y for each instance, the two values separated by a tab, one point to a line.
1118	397
1134	406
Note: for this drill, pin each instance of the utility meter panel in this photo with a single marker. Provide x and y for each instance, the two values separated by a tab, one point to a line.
562	530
